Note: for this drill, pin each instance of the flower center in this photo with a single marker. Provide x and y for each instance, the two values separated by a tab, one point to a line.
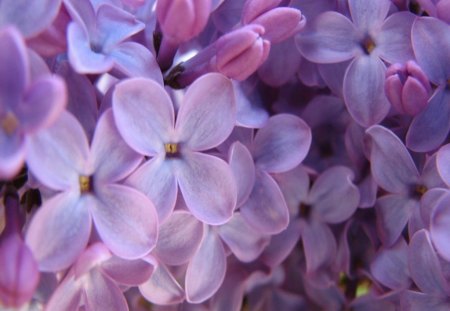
368	45
85	183
171	150
9	123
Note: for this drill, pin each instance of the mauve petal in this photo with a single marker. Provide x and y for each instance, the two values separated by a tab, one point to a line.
81	56
431	44
393	213
127	272
59	154
391	164
331	39
245	242
443	159
156	179
431	176
162	288
14	61
82	12
208	187
418	301
424	265
126	220
135	60
364	90
295	187
430	128
394	40
281	144
265	209
333	195
440	226
67	295
368	15
208	112
230	295
206	270
243	168
179	238
113	158
30	17
12	155
428	202
42	104
115	25
144	114
63	220
102	293
390	266
319	245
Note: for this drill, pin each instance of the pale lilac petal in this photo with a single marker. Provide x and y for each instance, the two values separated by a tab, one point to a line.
319	244
103	294
156	179
334	196
12	155
30	17
135	60
424	265
82	12
59	154
179	237
14	60
162	288
394	40
243	168
331	39
245	242
443	160
126	221
431	173
368	15
393	213
265	209
43	103
206	270
63	220
390	266
127	272
430	128
431	44
418	301
364	90
113	158
81	56
392	166
440	226
144	114
67	295
428	202
281	144
208	187
208	112
333	76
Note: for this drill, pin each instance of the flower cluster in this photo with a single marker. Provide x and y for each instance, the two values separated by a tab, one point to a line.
224	155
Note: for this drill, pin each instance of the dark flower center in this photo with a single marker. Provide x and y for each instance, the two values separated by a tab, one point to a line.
172	150
368	45
305	210
418	191
85	183
9	123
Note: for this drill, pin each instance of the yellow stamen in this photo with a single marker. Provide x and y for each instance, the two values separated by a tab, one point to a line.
369	45
363	287
85	184
9	123
421	189
171	148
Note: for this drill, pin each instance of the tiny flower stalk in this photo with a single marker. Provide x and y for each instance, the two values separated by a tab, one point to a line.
19	275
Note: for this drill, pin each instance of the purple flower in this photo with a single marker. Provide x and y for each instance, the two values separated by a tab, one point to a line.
87	181
146	119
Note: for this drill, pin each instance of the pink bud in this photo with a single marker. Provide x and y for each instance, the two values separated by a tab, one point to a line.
253	8
407	88
181	20
241	52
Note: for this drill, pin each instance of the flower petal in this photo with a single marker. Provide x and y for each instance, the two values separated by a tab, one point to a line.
142	106
63	220
281	144
208	187
126	220
103	294
367	15
67	295
243	168
206	270
127	272
208	112
12	155
439	226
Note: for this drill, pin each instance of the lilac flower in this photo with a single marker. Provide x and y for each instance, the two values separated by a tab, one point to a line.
27	105
146	119
431	43
87	181
369	39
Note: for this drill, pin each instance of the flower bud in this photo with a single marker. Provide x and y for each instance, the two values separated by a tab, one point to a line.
181	20
253	8
241	52
407	88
